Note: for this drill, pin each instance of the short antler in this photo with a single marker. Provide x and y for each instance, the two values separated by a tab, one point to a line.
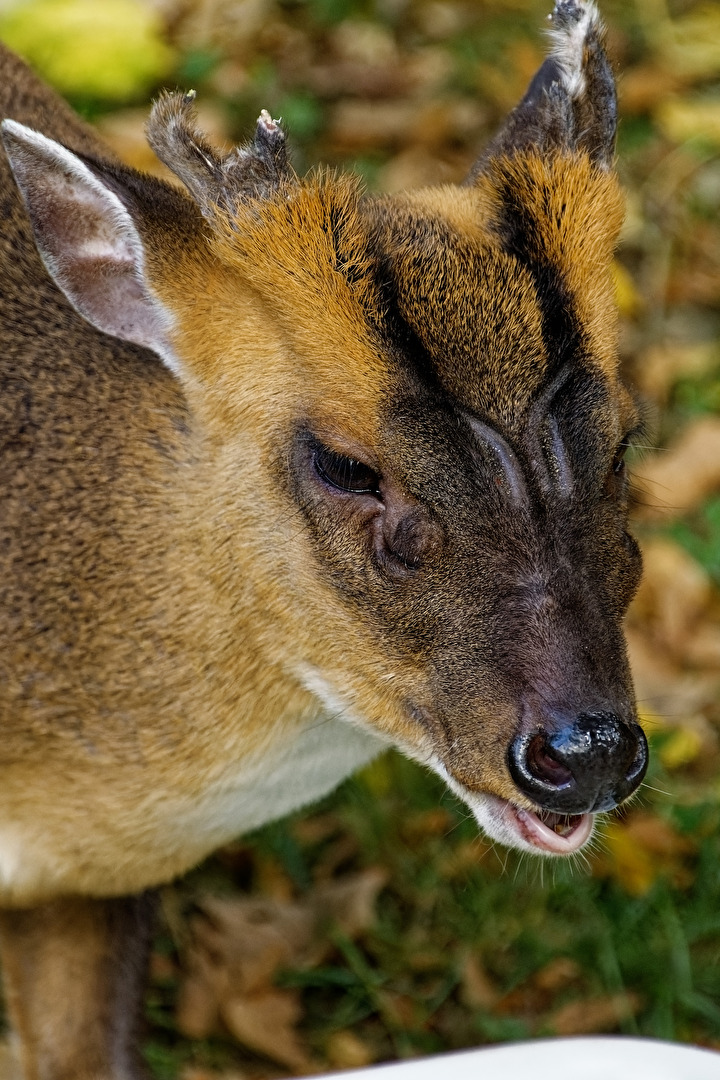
214	180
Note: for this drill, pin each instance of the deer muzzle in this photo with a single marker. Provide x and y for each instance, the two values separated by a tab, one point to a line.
584	765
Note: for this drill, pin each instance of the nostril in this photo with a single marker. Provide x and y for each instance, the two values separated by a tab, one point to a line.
543	765
639	765
587	764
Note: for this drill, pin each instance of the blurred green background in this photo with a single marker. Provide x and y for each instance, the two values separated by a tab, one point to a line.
392	929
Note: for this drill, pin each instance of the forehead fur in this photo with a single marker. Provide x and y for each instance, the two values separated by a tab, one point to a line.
470	308
296	269
560	217
489	289
505	282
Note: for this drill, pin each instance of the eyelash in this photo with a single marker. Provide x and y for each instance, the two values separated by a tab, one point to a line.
345	473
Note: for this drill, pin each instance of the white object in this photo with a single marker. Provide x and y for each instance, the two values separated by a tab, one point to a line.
611	1058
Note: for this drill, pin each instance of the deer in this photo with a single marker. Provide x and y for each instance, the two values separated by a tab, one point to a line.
292	473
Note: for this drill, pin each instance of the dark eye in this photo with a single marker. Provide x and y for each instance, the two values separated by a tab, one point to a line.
618	465
345	473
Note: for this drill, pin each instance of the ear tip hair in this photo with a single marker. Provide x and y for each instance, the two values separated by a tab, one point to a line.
567	14
574	24
13	129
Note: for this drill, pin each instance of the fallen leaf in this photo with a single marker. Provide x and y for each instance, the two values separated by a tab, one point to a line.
594	1014
678	480
640	849
674	594
659	367
345	1050
238	945
557	974
265	1022
683	746
477	989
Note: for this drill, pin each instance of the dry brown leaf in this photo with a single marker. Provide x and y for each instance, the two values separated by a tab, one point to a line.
637	851
594	1015
231	25
659	367
678	480
435	822
239	944
359	125
415	167
265	1022
458	861
673	596
345	1050
349	902
703	648
477	990
557	974
657	835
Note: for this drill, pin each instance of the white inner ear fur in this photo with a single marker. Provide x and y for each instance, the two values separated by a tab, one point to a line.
569	44
88	242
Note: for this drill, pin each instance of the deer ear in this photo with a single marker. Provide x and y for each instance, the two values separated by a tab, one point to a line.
88	240
570	105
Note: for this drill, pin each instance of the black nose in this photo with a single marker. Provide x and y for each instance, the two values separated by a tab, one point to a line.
580	767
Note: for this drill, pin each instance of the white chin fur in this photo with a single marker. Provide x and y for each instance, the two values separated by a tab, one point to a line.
517	828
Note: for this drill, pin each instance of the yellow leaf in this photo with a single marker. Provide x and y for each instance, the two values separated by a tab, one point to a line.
627	296
111	50
683	746
690	46
632	865
681	119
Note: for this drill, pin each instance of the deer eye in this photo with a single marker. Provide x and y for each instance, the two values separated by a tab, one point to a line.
618	465
345	473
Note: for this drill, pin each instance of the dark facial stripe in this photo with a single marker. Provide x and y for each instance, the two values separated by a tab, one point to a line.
522	238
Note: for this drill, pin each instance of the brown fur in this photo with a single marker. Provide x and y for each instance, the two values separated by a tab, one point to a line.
200	629
75	970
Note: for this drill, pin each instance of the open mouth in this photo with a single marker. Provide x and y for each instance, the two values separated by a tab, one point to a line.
544	830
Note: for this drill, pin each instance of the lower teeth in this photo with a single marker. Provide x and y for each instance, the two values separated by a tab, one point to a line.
562	824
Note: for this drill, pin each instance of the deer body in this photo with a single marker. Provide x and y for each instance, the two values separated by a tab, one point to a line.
109	603
290	474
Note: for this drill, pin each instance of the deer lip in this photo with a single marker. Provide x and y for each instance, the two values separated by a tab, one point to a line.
556	834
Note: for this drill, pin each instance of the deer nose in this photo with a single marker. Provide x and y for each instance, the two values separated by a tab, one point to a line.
590	764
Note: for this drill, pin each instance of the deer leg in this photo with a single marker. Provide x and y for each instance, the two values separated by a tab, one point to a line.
74	977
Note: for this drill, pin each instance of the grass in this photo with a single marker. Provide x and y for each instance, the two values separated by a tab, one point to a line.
543	936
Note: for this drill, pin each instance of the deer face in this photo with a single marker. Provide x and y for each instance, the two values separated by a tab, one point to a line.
410	426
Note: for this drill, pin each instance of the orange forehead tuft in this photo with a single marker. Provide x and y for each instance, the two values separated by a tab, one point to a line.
568	214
